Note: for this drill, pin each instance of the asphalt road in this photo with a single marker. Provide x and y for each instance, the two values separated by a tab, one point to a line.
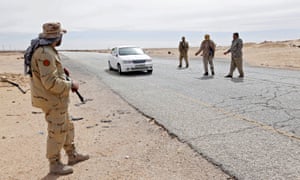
249	127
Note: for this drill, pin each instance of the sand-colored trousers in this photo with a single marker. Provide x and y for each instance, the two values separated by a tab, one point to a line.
236	63
208	60
185	57
60	133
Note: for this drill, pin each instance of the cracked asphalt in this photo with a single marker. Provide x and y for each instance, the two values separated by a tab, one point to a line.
249	127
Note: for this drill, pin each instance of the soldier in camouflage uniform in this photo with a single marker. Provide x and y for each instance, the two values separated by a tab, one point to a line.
183	52
207	48
50	92
236	56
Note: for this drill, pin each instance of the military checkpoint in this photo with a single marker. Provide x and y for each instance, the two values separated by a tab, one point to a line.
70	119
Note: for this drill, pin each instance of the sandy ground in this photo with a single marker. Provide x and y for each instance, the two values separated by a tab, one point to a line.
122	143
281	54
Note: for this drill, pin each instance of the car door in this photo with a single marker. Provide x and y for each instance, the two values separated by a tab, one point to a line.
114	57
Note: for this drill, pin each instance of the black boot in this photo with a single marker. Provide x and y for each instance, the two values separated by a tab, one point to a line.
228	76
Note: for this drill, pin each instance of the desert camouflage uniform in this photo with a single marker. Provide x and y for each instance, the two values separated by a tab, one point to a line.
50	92
236	56
183	53
208	55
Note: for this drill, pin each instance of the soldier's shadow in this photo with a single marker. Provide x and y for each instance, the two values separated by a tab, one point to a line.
50	177
205	77
181	68
237	80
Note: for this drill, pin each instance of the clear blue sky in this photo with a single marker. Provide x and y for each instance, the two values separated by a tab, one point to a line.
95	24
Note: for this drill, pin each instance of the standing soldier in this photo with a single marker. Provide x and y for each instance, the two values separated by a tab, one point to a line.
50	92
236	56
208	48
183	52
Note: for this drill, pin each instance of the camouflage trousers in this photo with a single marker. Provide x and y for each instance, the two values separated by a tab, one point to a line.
208	60
60	132
185	57
236	63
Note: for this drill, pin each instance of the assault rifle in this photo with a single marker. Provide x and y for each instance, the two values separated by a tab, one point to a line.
78	94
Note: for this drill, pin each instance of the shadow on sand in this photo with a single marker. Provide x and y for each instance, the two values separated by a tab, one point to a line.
50	177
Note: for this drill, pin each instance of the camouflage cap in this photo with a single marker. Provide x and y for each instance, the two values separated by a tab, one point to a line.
52	30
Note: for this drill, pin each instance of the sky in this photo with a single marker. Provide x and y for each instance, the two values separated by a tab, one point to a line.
99	24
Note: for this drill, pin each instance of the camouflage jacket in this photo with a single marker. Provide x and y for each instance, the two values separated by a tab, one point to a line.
49	87
208	48
236	48
183	47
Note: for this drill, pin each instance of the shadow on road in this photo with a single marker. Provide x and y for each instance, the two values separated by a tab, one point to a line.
237	80
181	68
127	74
205	77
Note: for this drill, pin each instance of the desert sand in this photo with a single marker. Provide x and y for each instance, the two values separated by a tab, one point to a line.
122	143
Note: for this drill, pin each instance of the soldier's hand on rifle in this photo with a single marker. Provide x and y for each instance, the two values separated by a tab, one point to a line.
67	72
75	86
